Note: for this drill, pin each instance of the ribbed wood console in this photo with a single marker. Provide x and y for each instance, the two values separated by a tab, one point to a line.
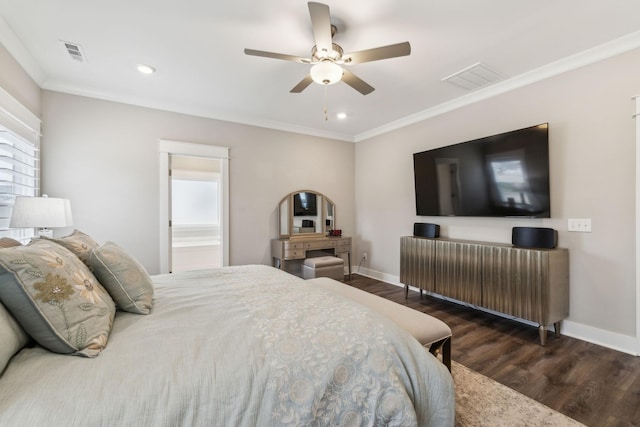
531	284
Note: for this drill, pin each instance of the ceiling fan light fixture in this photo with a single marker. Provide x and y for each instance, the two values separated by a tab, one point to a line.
326	73
327	57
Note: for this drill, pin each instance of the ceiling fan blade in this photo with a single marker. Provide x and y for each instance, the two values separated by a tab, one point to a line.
302	85
282	56
356	82
375	54
321	23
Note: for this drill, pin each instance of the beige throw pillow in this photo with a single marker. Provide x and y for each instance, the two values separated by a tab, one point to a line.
124	278
55	298
79	243
8	242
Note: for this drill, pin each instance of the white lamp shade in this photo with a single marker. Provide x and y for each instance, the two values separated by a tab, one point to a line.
41	212
326	73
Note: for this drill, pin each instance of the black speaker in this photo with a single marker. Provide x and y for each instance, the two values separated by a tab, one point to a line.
534	237
425	229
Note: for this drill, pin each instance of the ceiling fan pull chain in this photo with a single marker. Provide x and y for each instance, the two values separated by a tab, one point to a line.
326	115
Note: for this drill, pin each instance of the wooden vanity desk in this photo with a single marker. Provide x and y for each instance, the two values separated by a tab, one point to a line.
283	250
305	220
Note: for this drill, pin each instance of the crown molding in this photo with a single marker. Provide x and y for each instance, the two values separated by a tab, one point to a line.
581	59
188	110
578	60
14	46
18	117
20	53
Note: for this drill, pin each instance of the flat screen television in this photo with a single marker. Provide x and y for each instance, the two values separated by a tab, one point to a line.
304	204
505	175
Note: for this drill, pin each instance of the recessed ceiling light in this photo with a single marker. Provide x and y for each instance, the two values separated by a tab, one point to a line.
146	69
341	116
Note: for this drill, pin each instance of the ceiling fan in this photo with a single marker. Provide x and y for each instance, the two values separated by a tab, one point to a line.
327	57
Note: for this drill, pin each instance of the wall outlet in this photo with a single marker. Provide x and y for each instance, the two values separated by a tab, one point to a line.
365	256
581	225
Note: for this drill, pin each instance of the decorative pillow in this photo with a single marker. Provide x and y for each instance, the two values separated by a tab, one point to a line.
125	279
8	242
79	243
12	337
55	298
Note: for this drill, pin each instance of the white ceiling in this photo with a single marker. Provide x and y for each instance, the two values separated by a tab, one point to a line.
197	48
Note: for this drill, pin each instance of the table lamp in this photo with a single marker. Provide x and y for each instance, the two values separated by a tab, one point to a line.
42	213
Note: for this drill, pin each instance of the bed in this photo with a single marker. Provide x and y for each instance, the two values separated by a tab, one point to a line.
243	346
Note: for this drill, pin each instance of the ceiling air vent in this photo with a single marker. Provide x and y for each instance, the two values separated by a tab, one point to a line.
474	77
74	50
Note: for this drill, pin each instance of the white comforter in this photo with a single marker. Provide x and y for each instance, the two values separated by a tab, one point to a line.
237	346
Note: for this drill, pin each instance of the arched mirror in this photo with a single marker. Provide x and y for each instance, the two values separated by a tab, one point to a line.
306	213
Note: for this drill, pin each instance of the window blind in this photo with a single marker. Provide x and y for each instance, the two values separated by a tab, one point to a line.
19	176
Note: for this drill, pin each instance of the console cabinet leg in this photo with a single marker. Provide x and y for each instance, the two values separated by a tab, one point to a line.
542	329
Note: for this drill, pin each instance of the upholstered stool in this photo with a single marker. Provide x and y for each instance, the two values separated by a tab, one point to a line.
324	266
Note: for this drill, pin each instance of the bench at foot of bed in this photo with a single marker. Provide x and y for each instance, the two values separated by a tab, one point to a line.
429	331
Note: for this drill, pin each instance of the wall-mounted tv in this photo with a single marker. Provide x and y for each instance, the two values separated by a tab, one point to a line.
505	175
304	204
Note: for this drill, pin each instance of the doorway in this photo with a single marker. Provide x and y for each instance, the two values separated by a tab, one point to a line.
194	206
195	213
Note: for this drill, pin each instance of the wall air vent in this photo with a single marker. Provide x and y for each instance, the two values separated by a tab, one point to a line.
474	77
74	50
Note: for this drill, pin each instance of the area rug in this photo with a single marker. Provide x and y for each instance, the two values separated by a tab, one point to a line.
481	401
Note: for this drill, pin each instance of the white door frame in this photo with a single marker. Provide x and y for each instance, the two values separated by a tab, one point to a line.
166	148
637	117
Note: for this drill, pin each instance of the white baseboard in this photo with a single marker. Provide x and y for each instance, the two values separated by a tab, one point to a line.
624	343
388	278
613	340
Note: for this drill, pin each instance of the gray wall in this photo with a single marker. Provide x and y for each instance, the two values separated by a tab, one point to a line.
103	156
592	156
17	83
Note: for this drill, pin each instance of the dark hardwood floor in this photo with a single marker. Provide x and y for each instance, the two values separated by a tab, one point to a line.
595	385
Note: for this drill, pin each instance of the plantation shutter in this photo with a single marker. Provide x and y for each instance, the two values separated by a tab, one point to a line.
19	161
